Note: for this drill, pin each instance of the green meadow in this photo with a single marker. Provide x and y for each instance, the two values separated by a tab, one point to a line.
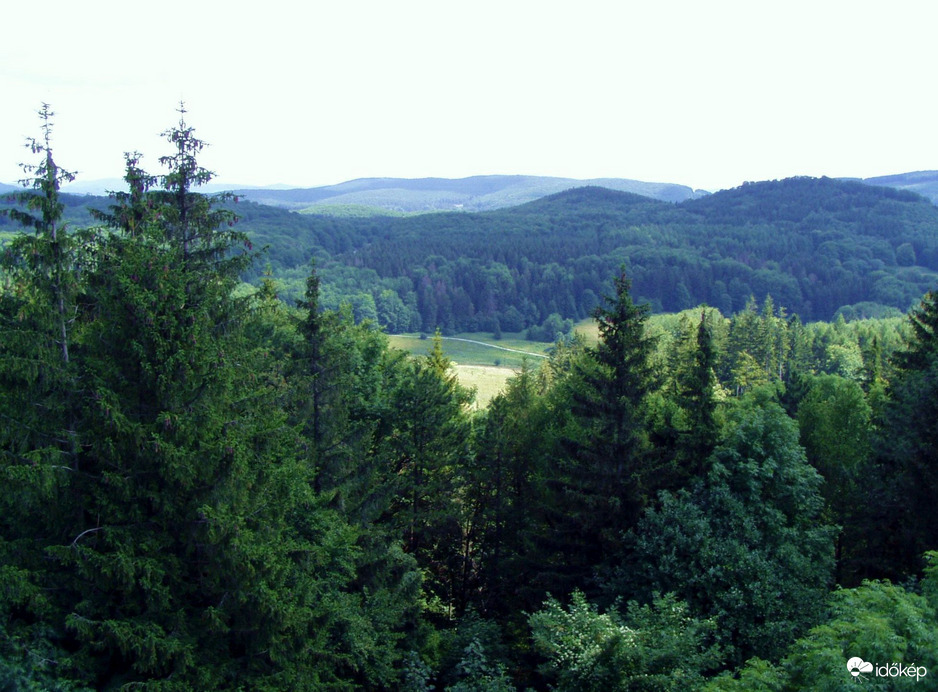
478	348
480	361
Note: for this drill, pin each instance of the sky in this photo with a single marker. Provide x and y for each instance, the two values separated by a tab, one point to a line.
706	93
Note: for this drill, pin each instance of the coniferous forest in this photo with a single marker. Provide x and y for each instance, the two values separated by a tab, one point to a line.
206	487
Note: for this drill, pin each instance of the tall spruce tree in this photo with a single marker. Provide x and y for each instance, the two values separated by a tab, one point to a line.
427	445
907	449
189	549
602	485
180	559
39	396
513	443
697	398
340	378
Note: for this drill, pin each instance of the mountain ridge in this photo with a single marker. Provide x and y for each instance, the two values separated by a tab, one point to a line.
472	193
924	183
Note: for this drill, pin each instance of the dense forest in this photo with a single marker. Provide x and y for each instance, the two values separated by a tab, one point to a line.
205	487
816	246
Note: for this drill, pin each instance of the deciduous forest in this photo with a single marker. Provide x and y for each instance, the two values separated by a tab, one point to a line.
209	486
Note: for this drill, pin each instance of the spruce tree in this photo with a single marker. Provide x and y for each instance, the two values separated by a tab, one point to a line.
182	545
615	379
904	495
428	446
602	484
697	398
39	398
514	445
48	251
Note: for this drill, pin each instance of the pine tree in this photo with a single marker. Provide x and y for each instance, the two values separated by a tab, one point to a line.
513	445
341	379
200	226
616	378
180	554
49	251
132	209
922	347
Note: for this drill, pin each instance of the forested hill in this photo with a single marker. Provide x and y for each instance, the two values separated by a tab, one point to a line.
815	245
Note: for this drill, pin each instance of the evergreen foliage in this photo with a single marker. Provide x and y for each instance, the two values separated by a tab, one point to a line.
205	488
744	544
186	543
907	445
601	485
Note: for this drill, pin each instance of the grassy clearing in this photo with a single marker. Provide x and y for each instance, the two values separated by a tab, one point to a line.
589	328
479	360
477	348
487	380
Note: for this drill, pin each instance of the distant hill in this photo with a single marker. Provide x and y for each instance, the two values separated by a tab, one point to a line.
924	183
379	196
817	246
478	193
102	186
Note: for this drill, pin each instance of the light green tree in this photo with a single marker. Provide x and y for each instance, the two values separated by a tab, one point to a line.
654	647
746	544
879	622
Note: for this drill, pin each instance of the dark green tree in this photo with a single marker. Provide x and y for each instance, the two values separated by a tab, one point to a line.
907	449
133	209
696	395
835	422
199	225
49	251
187	561
39	400
514	442
186	547
340	382
428	447
602	476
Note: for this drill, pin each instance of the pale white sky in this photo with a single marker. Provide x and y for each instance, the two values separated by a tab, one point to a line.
704	93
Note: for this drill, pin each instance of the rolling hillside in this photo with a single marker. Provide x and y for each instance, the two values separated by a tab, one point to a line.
924	183
478	193
819	247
